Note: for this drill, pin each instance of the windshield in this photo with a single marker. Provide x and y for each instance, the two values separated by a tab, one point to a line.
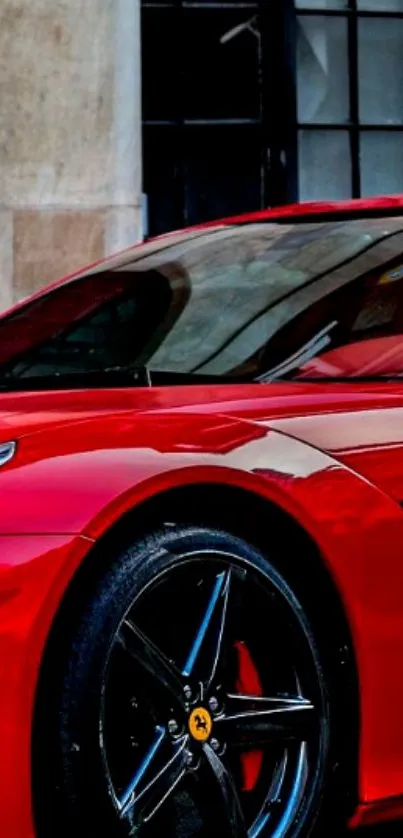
252	302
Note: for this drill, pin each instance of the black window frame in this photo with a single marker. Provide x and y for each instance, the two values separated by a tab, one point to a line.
278	128
352	14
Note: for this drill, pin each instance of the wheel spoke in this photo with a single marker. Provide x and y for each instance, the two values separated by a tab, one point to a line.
210	634
272	800
256	721
148	789
142	769
164	671
223	790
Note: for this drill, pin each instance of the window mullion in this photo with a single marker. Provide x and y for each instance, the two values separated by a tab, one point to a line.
354	99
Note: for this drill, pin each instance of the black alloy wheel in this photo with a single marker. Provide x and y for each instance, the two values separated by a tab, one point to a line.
189	699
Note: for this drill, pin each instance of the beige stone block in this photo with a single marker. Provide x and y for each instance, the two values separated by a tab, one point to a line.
6	259
122	228
48	245
57	83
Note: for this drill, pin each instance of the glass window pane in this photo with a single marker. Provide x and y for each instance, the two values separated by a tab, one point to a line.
200	64
381	162
321	4
322	68
159	38
324	165
200	173
380	5
220	64
380	43
222	169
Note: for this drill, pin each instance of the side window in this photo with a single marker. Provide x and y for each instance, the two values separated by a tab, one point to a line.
112	335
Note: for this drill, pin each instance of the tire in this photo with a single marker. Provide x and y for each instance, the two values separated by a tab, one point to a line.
182	694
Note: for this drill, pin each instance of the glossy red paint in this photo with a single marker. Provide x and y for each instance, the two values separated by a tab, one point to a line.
81	472
330	455
32	577
364	205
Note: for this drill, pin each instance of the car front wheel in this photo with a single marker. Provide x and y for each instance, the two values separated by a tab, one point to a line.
182	695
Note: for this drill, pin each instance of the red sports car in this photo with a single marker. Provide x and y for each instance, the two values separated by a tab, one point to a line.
201	530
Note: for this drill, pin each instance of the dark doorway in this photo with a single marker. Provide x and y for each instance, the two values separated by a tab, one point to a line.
219	111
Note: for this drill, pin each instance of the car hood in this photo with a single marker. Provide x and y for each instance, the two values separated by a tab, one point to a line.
24	413
358	424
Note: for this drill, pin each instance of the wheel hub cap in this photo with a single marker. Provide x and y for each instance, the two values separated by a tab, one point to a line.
200	724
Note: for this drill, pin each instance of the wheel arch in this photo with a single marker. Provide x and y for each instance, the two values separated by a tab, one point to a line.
276	533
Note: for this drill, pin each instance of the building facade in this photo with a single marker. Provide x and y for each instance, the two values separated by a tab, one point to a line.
120	118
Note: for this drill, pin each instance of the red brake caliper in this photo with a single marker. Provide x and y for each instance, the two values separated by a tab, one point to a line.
248	683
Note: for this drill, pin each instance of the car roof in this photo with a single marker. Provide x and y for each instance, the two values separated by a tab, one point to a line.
356	208
331	210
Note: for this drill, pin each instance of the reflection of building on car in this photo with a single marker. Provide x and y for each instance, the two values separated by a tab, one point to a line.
201	482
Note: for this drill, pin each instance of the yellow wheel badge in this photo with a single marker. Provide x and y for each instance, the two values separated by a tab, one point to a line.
200	724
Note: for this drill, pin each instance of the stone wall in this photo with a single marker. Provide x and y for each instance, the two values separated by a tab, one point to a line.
70	136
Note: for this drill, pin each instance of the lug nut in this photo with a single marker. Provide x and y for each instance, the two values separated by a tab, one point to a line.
173	727
213	704
188	692
189	758
214	744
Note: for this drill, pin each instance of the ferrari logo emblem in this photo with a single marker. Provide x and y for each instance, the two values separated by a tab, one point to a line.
200	724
